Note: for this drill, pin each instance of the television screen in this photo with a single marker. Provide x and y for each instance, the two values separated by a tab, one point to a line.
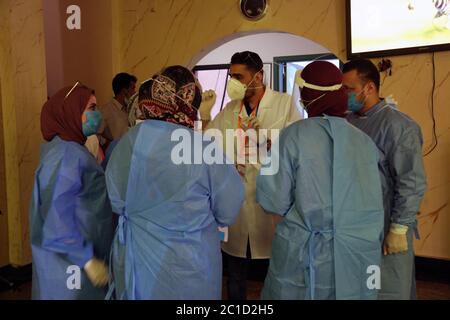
390	27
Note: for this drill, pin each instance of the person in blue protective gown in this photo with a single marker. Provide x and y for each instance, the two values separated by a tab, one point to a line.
167	244
328	190
399	140
70	214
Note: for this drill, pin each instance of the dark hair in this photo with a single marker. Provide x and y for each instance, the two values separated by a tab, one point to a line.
122	81
366	70
250	59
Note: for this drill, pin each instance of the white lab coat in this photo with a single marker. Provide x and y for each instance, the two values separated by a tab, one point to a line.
275	112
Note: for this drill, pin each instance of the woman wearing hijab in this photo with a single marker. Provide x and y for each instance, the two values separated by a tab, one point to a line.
328	190
167	245
70	214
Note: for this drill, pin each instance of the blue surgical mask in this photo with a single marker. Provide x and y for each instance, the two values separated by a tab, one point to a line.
92	124
353	104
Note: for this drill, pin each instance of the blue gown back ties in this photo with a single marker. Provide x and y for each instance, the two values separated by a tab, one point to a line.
332	202
167	245
71	221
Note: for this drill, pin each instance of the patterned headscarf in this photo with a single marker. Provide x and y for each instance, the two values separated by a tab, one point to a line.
173	95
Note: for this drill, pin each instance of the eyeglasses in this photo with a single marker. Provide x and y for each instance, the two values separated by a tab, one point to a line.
73	88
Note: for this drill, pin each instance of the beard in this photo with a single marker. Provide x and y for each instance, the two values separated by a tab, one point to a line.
251	92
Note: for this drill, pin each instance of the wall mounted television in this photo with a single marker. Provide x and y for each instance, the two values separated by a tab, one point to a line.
377	28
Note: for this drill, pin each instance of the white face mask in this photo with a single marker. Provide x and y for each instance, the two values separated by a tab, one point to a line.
236	90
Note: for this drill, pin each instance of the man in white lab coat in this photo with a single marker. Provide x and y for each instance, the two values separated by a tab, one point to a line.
254	106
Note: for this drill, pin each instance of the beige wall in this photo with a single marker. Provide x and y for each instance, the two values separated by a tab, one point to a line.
158	33
53	28
79	55
4	243
5	104
153	34
23	85
411	83
142	36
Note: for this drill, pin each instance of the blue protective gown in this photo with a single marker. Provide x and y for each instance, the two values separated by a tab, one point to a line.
70	221
399	140
167	245
328	189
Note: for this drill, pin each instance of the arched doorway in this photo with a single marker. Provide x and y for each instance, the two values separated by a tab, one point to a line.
282	53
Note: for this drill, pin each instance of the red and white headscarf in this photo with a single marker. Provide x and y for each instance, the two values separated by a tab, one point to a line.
174	96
